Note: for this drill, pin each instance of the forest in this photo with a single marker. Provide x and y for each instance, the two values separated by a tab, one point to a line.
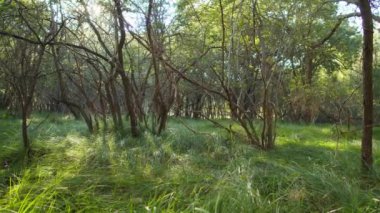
189	106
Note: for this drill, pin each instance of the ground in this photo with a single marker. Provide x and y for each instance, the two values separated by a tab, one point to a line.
310	170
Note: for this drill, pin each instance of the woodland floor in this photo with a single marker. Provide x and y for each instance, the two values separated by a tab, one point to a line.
180	171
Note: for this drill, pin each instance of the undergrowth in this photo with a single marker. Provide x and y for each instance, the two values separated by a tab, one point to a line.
182	171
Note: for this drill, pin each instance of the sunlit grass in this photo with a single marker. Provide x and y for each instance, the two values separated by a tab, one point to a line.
182	171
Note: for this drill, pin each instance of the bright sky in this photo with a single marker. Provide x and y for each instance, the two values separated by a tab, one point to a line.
344	8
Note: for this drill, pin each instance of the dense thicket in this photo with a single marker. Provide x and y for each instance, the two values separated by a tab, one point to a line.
256	62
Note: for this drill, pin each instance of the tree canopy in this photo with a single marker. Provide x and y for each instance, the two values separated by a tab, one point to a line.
253	61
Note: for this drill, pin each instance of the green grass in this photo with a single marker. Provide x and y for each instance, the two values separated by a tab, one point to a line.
180	171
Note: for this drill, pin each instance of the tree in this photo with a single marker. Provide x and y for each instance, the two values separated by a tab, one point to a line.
25	57
253	61
23	72
367	68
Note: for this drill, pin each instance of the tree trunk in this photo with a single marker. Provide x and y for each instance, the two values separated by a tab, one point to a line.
130	104
309	68
367	23
162	122
198	106
61	81
128	89
116	105
111	104
88	120
102	107
24	130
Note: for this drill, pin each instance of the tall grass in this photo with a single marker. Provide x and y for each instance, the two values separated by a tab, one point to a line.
181	171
